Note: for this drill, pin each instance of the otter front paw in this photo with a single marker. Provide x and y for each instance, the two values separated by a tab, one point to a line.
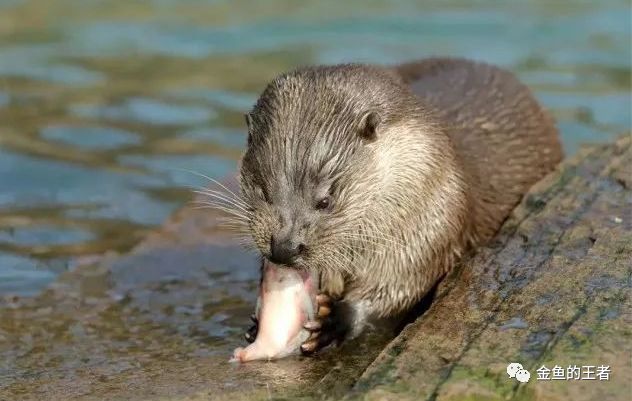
251	333
324	328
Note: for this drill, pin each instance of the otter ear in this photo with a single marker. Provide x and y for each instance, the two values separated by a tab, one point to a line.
368	126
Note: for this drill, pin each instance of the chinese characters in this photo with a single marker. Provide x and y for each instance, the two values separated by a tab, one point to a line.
574	372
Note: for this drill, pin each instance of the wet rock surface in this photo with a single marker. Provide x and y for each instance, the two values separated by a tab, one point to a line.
161	321
158	323
552	289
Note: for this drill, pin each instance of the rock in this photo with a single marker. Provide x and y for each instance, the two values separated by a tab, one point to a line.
160	323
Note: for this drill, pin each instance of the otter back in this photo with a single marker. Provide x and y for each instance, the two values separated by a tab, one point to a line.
504	140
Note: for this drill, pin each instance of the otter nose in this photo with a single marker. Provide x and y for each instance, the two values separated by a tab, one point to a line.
284	251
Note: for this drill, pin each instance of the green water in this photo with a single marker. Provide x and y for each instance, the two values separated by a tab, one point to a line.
103	102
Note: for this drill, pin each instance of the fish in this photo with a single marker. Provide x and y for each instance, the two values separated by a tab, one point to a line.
287	300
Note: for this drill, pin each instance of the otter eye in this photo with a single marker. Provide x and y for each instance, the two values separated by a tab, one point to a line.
324	203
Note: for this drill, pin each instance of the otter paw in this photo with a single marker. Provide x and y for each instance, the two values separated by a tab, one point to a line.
323	330
251	333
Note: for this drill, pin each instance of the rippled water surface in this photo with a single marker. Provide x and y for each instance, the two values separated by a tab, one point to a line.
104	103
106	107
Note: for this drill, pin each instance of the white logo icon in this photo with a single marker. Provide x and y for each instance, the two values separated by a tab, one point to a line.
523	376
515	370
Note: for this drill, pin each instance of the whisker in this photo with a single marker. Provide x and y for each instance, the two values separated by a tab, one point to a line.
224	209
234	222
223	195
225	199
210	179
220	205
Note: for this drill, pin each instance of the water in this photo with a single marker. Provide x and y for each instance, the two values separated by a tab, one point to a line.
102	102
105	104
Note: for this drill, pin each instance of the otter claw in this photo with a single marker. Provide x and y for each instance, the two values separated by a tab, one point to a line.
324	311
318	340
251	333
309	346
313	325
321	328
323	299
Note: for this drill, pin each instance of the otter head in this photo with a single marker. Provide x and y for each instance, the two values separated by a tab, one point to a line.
321	165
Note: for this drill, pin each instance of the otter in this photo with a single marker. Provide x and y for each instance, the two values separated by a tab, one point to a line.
380	178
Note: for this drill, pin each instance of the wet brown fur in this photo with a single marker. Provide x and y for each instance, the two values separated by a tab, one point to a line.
423	161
